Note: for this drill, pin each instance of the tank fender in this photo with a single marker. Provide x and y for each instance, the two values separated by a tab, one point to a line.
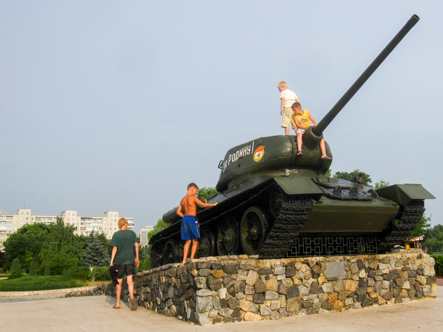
404	193
296	185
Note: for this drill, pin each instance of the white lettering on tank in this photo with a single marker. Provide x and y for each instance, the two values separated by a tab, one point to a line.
240	153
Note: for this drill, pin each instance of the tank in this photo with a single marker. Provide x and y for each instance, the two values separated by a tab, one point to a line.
276	204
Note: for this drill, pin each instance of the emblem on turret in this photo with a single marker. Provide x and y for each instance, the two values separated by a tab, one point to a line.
258	153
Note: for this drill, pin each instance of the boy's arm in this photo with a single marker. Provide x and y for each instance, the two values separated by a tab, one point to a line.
282	105
114	251
312	119
179	210
137	262
200	203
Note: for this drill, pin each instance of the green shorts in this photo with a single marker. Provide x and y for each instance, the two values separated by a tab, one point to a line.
128	269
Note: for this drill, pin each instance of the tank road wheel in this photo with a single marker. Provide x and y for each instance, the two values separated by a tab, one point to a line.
170	252
156	255
252	230
275	201
227	237
206	244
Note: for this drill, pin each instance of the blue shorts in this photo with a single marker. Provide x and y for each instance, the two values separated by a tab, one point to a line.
190	228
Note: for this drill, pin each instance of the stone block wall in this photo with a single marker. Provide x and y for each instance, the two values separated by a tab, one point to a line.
244	288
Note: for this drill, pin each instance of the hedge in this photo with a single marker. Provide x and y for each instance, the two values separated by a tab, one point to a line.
438	265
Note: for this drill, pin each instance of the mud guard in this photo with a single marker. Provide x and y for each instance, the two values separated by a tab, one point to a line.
404	193
296	185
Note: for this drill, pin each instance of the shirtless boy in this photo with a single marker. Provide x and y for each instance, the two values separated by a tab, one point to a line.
190	228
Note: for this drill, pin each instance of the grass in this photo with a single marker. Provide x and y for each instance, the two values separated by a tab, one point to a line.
28	283
95	283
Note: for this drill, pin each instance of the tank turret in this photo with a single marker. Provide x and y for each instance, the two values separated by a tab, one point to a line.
275	203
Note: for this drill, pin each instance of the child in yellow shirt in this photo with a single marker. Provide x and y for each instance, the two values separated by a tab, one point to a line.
302	120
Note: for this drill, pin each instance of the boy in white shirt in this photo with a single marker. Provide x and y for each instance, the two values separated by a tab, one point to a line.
287	98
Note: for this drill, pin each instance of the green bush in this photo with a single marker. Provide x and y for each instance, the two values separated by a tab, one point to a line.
47	270
145	264
102	273
32	269
438	265
66	275
27	283
80	272
16	271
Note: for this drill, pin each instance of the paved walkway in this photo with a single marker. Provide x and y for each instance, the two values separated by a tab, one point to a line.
95	313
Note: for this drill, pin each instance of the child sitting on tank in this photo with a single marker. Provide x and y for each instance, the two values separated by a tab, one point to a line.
302	120
190	228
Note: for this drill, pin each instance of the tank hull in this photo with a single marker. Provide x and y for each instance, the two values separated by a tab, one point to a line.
292	216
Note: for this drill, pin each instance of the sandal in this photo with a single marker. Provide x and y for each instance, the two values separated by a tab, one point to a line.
133	304
115	307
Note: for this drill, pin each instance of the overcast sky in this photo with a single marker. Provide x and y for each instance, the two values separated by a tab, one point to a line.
118	105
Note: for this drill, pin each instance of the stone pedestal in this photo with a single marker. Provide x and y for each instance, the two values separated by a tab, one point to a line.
244	288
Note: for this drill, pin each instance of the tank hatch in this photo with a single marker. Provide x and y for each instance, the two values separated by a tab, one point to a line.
344	190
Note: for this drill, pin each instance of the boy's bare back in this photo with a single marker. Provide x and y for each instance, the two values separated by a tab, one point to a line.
189	205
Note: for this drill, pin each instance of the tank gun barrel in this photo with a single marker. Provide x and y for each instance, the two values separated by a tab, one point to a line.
318	130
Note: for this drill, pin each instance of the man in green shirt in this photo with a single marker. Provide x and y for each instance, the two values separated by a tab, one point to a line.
123	244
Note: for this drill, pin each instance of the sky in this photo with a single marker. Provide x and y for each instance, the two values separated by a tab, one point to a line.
118	105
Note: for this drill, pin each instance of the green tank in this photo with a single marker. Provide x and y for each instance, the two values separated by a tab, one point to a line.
274	203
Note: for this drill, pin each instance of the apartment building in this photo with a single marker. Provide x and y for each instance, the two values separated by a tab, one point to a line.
144	235
107	224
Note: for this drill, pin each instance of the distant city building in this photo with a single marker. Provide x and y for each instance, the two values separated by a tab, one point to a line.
144	235
10	223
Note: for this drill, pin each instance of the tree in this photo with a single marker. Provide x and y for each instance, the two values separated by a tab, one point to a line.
105	242
2	260
434	238
47	269
95	252
66	275
352	176
16	270
62	250
54	244
207	191
63	235
381	184
26	244
161	225
422	227
32	269
145	264
143	252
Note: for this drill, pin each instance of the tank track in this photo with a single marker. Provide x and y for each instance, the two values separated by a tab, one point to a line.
401	230
292	216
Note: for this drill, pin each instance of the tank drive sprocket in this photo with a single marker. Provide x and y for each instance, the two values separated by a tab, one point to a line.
293	214
401	228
